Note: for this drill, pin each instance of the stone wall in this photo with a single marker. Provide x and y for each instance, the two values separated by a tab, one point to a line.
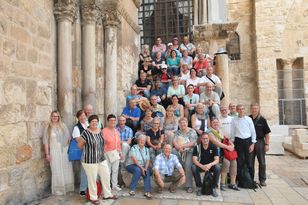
27	96
128	47
243	83
281	32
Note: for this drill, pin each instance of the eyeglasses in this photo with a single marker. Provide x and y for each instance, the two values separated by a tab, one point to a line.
55	116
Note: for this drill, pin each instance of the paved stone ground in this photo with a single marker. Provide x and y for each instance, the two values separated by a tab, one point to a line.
287	184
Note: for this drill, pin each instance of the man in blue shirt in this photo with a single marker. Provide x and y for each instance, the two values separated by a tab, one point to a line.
167	168
132	114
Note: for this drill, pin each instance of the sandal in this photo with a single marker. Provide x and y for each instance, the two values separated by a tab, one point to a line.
189	190
172	189
159	190
132	193
114	197
148	195
96	202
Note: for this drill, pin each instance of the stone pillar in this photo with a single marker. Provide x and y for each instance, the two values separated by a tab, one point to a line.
89	16
222	71
196	12
65	12
288	89
111	22
204	12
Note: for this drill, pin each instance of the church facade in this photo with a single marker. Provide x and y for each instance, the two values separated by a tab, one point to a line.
64	54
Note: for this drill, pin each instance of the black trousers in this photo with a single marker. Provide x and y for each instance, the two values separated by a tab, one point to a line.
196	172
244	157
260	154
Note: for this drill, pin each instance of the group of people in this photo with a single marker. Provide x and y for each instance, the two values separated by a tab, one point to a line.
172	128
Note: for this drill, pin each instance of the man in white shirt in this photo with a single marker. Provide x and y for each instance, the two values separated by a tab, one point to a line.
225	122
210	99
243	131
210	77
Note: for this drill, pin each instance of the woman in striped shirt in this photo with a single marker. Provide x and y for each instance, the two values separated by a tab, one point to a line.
93	160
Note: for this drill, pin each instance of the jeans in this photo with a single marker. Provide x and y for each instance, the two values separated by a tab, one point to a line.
196	172
260	154
173	70
83	180
136	171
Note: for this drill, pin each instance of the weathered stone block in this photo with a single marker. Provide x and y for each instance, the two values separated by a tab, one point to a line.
44	60
43	96
23	153
3	26
300	139
300	132
7	157
44	31
12	113
9	47
20	34
15	176
37	148
22	69
43	112
36	129
32	55
21	52
29	188
14	90
13	134
4	180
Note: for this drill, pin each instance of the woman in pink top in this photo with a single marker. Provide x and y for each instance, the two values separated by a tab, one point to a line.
112	149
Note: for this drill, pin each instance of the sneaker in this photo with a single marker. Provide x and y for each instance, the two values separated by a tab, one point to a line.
82	193
114	197
95	202
234	187
189	190
148	195
199	192
132	193
223	187
262	183
117	188
214	193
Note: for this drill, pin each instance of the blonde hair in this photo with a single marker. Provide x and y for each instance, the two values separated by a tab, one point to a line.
50	125
169	108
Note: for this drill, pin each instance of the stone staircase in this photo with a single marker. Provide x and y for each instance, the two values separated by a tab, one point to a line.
297	143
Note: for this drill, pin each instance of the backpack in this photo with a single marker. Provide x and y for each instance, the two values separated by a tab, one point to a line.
208	184
99	191
245	180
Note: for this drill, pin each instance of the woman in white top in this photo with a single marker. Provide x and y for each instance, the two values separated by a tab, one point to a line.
193	80
176	89
55	140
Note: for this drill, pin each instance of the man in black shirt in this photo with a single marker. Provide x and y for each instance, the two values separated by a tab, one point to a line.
205	158
262	144
143	85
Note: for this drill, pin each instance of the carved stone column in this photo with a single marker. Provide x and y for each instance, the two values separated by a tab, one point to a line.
222	70
196	12
89	17
65	11
111	22
288	88
204	18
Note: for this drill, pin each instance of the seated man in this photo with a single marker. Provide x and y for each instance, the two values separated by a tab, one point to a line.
211	99
159	91
167	168
157	109
143	85
186	45
155	138
191	100
126	135
205	158
132	114
133	95
213	79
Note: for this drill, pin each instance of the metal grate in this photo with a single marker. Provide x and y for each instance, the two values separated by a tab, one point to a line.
292	111
165	19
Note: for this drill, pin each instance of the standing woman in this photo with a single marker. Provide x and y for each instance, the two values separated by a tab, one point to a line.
112	149
93	160
55	141
77	131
